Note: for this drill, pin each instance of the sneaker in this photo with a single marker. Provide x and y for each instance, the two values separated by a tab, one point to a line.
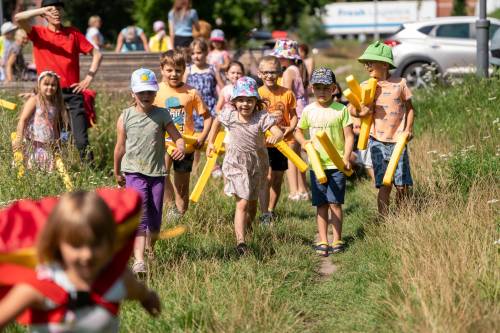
139	267
242	249
173	214
337	246
266	219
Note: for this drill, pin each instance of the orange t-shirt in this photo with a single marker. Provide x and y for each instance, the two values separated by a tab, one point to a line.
390	110
283	101
181	102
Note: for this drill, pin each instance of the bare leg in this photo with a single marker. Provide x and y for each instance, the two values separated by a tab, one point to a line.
336	221
181	187
401	195
139	246
275	189
252	211
322	221
384	195
240	217
196	161
370	173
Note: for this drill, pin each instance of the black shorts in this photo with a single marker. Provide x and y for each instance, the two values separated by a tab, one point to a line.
277	161
184	165
182	41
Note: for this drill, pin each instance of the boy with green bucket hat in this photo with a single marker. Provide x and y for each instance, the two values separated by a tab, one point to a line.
393	114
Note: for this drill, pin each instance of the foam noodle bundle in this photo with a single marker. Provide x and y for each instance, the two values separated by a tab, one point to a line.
393	162
312	154
353	84
207	169
290	154
332	152
366	122
353	99
20	224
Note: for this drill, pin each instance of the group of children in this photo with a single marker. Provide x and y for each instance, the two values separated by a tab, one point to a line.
255	119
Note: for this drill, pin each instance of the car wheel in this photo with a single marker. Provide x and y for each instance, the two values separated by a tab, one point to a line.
419	74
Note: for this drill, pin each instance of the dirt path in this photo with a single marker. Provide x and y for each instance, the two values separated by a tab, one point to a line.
326	266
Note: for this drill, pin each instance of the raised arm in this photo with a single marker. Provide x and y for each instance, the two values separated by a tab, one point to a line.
23	18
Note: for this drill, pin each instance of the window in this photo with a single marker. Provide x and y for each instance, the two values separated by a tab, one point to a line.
427	29
457	30
493	29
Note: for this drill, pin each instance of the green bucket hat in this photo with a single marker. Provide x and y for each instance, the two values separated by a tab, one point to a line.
378	52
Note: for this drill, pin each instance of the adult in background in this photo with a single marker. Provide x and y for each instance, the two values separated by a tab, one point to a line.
181	20
132	39
57	48
93	34
15	66
8	30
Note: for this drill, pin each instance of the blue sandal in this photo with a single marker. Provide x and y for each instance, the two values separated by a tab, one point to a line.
322	249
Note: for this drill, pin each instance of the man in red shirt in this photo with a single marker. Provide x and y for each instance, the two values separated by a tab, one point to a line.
57	48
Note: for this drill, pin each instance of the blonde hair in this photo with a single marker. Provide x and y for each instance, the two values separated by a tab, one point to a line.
201	43
79	218
57	100
269	59
174	58
93	20
20	35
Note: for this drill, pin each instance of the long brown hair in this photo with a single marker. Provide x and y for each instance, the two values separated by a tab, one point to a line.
79	218
56	101
180	10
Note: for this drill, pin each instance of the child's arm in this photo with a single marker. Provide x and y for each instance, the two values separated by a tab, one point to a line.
207	123
121	136
20	298
410	117
220	104
349	143
299	136
139	292
277	135
144	41
365	110
293	122
119	42
175	135
211	137
287	81
28	110
218	78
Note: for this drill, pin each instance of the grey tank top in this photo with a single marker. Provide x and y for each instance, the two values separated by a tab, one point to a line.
145	142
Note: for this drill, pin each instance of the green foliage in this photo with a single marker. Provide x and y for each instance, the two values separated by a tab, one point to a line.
310	28
459	8
147	11
238	17
495	14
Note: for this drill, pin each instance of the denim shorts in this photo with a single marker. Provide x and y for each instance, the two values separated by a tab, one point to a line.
331	192
381	154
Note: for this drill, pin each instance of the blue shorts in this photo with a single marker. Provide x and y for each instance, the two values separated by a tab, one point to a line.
381	154
331	192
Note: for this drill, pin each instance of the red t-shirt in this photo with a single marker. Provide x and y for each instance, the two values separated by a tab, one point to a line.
59	52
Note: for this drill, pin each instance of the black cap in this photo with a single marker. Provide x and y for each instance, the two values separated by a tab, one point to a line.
46	3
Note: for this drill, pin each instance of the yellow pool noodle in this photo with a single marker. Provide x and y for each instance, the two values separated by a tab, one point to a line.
393	162
207	169
353	99
18	158
61	169
315	163
25	257
353	84
290	154
327	145
188	139
7	104
372	87
366	122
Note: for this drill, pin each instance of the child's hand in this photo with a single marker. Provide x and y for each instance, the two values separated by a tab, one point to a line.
152	303
272	140
286	131
178	153
210	149
410	134
303	146
365	110
199	143
17	145
347	164
120	180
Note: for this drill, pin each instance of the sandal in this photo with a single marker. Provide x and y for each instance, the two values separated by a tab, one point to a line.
139	268
337	246
322	249
242	249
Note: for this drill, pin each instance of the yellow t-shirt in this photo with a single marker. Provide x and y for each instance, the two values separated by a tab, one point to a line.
157	44
283	101
181	102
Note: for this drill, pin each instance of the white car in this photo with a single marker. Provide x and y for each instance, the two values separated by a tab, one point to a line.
446	43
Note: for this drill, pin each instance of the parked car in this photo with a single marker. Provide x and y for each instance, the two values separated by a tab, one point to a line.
445	45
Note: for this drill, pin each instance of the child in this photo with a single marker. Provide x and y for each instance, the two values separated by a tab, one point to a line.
75	246
41	121
235	70
131	39
140	154
281	104
288	54
393	114
333	118
93	35
245	160
181	100
218	56
159	42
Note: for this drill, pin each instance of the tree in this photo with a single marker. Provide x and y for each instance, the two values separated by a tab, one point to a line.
459	8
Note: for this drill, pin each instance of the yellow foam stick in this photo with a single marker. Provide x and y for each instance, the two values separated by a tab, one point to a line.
7	104
328	146
364	132
353	99
393	162
372	88
172	232
312	154
290	154
353	84
25	256
18	158
207	169
188	139
61	169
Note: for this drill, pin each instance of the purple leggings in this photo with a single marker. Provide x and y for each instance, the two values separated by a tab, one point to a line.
151	191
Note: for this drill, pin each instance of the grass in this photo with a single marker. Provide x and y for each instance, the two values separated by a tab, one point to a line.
431	267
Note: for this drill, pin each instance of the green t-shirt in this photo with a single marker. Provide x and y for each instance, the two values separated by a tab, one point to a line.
145	142
332	120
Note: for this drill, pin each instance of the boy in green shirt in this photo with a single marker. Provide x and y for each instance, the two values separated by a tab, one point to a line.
333	118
